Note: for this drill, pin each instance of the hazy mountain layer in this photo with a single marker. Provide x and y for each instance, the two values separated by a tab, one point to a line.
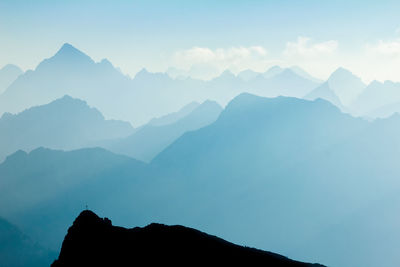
66	123
64	181
377	95
148	95
151	139
268	170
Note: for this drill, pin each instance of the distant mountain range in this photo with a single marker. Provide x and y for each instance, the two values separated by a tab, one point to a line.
149	95
145	143
70	180
66	123
377	96
92	241
294	176
174	116
69	123
341	89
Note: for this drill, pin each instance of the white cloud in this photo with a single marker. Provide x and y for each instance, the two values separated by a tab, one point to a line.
385	48
233	58
305	48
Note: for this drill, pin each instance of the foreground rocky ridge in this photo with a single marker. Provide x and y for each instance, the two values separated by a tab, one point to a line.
93	241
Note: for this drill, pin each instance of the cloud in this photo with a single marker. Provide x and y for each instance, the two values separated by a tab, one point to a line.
385	48
233	58
204	54
305	48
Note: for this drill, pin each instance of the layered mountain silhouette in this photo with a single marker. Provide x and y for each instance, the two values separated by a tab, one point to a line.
247	75
68	72
18	250
341	89
8	74
61	180
174	116
154	137
377	95
384	111
66	123
293	176
147	95
93	241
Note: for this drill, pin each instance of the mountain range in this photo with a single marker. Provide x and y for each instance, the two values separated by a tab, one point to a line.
65	123
146	142
293	176
149	95
93	241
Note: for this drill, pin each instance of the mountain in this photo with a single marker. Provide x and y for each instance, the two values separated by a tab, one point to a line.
385	111
375	96
284	82
68	72
299	71
93	241
253	177
284	174
282	159
147	95
247	75
274	70
325	92
341	89
8	74
42	197
17	249
66	123
151	139
175	116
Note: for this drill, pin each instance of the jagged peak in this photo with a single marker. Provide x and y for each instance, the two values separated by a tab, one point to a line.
68	52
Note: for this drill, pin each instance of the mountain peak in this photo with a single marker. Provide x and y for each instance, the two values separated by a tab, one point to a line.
142	73
341	73
68	52
274	70
87	218
67	49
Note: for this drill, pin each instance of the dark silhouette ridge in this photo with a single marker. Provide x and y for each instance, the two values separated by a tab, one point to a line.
93	241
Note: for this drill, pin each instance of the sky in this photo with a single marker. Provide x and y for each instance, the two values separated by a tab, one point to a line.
319	36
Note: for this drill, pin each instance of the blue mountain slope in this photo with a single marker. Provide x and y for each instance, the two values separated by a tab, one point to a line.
293	176
66	123
54	185
150	139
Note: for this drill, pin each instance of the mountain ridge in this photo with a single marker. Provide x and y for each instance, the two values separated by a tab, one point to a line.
95	241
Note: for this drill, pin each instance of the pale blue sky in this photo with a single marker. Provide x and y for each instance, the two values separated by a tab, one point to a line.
360	35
